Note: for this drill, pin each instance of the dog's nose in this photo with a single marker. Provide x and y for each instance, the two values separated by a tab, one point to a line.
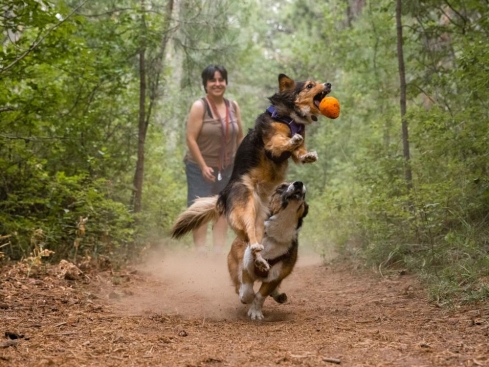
328	85
298	184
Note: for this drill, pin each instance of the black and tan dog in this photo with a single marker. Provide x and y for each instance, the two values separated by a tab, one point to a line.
261	164
280	245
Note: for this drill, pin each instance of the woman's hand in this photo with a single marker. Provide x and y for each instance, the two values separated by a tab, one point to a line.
208	174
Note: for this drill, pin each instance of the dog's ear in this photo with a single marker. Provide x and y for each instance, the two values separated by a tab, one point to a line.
304	213
284	83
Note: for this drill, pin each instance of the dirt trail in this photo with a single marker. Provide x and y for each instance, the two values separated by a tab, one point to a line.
182	311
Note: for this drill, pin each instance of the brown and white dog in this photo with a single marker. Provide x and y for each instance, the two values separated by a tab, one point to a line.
261	164
280	245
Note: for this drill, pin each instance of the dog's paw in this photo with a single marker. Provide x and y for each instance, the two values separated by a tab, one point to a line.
296	140
280	298
309	157
262	264
256	247
255	313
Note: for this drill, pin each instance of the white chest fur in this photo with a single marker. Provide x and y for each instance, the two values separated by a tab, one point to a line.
280	231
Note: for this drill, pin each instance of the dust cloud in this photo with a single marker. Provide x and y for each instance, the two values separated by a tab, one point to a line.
197	286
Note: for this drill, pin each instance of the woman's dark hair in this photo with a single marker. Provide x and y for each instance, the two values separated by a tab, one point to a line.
208	74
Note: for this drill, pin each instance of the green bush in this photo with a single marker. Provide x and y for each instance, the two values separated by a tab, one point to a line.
65	214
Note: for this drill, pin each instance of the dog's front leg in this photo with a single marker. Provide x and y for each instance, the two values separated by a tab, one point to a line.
280	142
301	155
296	141
253	219
309	157
277	296
255	311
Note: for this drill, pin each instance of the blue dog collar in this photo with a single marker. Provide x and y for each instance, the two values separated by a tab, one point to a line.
294	127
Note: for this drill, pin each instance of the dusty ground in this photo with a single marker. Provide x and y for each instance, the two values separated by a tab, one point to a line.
181	311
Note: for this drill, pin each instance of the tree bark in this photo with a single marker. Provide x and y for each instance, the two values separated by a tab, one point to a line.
144	116
138	177
142	122
402	78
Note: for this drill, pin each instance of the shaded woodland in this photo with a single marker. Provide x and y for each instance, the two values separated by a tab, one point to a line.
94	97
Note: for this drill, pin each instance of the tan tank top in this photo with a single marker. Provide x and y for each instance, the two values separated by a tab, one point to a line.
213	133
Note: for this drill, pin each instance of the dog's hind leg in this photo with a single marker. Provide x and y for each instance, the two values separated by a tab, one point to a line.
246	292
258	227
259	261
249	219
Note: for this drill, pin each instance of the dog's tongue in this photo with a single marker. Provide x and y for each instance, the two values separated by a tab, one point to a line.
314	118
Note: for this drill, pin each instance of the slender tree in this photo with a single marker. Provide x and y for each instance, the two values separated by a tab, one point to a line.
151	76
142	121
402	79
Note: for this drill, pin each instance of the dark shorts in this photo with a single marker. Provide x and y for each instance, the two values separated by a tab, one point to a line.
198	187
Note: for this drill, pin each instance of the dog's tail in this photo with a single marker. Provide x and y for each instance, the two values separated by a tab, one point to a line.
202	211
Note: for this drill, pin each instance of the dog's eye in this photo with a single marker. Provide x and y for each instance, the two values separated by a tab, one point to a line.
310	85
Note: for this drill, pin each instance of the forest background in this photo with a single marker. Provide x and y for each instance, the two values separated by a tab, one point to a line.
94	96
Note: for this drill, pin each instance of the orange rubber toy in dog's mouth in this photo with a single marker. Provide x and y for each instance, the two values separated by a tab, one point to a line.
330	107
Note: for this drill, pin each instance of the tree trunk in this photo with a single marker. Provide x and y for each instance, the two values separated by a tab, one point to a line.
144	117
142	121
402	77
138	177
154	80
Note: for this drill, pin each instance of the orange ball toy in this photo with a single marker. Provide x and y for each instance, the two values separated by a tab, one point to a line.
330	107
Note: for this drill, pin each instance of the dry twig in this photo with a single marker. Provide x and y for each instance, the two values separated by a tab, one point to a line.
331	360
9	343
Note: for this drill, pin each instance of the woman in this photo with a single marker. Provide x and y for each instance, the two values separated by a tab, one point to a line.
214	132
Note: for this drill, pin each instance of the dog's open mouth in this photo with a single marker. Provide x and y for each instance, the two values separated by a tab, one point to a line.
319	97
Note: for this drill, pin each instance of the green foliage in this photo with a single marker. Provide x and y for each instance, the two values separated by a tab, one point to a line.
437	229
69	105
359	196
43	211
165	194
68	120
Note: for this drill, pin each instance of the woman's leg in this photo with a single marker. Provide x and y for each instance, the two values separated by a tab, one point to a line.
197	187
219	232
200	235
220	229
